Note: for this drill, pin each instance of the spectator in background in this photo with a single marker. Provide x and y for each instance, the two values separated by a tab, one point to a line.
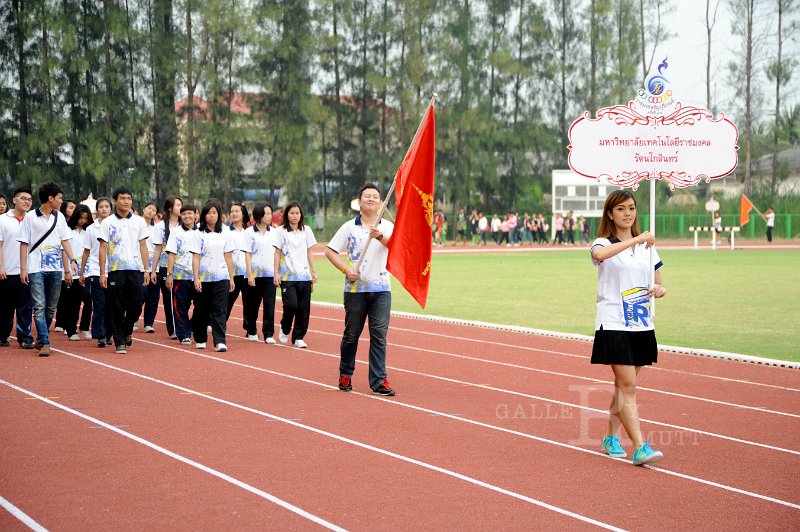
570	228
495	226
583	226
438	228
473	226
461	227
544	228
527	237
513	236
769	217
505	230
559	238
483	227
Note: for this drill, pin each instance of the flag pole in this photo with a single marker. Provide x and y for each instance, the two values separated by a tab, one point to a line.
652	249
382	209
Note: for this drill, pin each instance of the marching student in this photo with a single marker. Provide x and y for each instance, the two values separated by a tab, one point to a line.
625	336
44	244
123	260
179	278
15	297
294	273
239	218
90	267
212	268
76	293
260	273
155	241
170	222
367	292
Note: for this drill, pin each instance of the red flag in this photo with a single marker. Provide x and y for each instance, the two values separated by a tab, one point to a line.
410	246
744	210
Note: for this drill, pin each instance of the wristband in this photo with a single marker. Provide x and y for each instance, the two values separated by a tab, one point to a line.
343	269
380	237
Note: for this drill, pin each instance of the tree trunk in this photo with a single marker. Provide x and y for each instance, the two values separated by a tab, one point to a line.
778	81
18	6
338	103
748	94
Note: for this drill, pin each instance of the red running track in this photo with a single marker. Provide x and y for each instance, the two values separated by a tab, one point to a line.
490	428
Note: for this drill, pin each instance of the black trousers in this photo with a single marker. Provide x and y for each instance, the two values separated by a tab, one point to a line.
123	303
16	297
240	286
264	291
72	296
210	306
296	296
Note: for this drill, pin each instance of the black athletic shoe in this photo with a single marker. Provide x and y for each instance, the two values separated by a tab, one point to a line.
101	343
4	343
129	341
345	383
26	345
384	389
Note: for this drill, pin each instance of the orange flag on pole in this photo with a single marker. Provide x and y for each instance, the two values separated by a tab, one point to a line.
410	247
744	210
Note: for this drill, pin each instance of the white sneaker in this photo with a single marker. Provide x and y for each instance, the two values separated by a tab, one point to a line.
149	329
135	327
74	338
87	335
173	336
301	344
221	347
200	345
283	337
270	340
185	341
252	337
58	329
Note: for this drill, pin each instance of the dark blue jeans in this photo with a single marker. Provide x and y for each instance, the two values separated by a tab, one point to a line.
45	291
15	297
377	306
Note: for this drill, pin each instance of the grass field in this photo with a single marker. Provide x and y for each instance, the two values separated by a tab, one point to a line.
744	302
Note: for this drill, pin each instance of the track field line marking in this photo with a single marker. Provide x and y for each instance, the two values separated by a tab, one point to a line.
331	306
523	394
309	428
227	478
24	518
572	376
428	411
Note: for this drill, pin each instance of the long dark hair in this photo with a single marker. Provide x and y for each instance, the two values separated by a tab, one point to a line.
206	208
65	204
169	203
72	223
300	224
259	211
607	228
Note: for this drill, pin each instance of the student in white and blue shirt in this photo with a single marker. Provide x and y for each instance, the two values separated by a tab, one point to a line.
239	218
212	267
124	267
260	274
179	278
367	291
294	273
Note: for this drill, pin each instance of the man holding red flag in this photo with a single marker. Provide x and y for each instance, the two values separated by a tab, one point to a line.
367	289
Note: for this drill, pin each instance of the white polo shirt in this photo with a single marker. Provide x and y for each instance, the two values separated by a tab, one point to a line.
213	247
263	252
294	247
78	243
9	230
373	276
123	236
622	285
240	245
47	256
182	244
92	243
155	237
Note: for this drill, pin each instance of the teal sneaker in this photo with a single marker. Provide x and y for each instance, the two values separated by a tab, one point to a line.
645	455
613	448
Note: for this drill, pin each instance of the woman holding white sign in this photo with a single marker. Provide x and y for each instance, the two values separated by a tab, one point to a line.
624	333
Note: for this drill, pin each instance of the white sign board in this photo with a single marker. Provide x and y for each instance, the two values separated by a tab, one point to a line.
573	192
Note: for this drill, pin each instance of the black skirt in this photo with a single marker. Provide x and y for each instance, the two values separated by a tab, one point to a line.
626	348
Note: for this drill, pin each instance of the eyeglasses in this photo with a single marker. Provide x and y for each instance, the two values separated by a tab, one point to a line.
24	198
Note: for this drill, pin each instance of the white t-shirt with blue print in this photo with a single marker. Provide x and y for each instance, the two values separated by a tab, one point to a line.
263	252
352	237
294	246
123	236
213	247
182	244
240	245
622	285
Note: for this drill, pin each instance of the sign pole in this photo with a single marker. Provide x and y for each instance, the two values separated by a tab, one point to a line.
652	248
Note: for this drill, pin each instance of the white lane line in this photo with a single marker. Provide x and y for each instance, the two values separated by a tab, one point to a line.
24	518
309	428
180	458
422	409
547	399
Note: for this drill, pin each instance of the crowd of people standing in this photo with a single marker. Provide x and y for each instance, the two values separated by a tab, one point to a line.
512	230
